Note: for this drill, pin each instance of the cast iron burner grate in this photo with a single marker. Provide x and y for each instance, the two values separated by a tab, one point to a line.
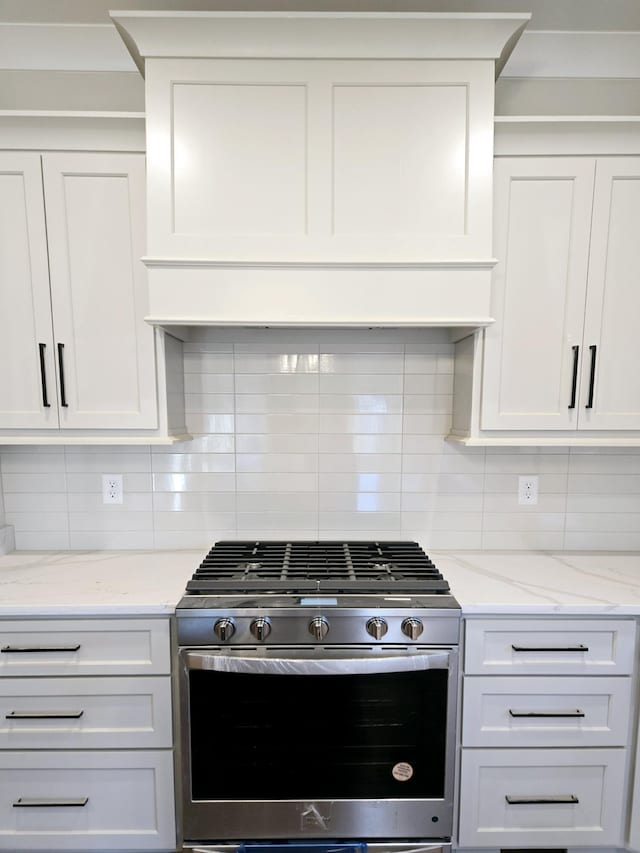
362	567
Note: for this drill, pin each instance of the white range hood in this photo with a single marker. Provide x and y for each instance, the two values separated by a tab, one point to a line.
329	169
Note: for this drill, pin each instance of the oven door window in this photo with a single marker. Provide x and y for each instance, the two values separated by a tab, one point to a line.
278	737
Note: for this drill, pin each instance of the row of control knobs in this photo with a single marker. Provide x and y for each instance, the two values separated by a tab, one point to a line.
318	627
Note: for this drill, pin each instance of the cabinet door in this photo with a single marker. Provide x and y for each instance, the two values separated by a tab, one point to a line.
104	349
611	400
542	222
27	378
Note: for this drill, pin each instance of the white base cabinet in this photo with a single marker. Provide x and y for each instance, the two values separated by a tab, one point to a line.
541	798
86	800
86	736
545	732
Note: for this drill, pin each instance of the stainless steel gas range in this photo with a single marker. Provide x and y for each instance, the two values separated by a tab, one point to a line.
317	694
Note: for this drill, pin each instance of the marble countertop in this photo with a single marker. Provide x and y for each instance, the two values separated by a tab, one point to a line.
109	583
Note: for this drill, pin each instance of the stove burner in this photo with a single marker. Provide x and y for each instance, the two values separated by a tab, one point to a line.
298	567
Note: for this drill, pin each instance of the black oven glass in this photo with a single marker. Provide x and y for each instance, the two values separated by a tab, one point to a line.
317	737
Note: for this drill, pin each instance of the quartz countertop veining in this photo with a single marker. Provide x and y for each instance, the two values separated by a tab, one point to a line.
116	583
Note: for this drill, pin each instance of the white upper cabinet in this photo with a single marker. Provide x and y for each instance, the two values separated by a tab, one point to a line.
76	351
560	357
532	351
27	378
611	344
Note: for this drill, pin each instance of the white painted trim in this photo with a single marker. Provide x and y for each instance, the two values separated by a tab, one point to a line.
570	135
315	35
528	440
72	130
483	264
409	322
105	439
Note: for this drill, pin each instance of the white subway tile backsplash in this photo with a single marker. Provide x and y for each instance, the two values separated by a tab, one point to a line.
277	443
256	502
208	383
376	404
360	502
321	434
360	462
332	423
359	482
276	403
353	443
281	462
355	363
211	404
285	383
360	384
33	463
280	482
276	521
193	462
291	423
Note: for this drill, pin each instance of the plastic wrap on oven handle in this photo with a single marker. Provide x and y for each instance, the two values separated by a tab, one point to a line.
318	666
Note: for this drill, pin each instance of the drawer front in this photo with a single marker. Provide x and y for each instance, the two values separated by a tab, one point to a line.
551	711
85	647
85	713
547	646
541	798
87	801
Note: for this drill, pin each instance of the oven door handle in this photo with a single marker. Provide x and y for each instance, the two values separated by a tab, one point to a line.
371	665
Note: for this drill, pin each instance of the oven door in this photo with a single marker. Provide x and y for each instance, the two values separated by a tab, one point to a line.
317	743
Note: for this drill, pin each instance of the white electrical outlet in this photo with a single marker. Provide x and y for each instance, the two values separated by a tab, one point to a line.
112	488
528	490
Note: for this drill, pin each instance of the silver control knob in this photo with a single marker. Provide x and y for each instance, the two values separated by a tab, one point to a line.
260	628
225	629
377	627
319	627
412	628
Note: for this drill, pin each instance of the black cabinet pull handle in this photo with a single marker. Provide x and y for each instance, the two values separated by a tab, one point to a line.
63	396
574	378
43	377
579	648
31	649
592	376
38	803
43	715
541	799
546	714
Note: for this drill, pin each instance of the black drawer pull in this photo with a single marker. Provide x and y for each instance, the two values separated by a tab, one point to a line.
542	799
579	648
545	714
63	394
574	377
38	803
43	715
592	376
43	377
36	649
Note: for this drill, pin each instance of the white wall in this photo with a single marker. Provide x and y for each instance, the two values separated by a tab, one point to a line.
321	435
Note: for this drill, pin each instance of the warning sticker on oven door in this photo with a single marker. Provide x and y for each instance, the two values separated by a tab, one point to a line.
402	771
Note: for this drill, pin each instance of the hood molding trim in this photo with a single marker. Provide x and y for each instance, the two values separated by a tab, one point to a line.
467	264
320	35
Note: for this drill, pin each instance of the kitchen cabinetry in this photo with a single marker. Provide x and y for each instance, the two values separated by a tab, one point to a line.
565	298
545	725
86	736
78	356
